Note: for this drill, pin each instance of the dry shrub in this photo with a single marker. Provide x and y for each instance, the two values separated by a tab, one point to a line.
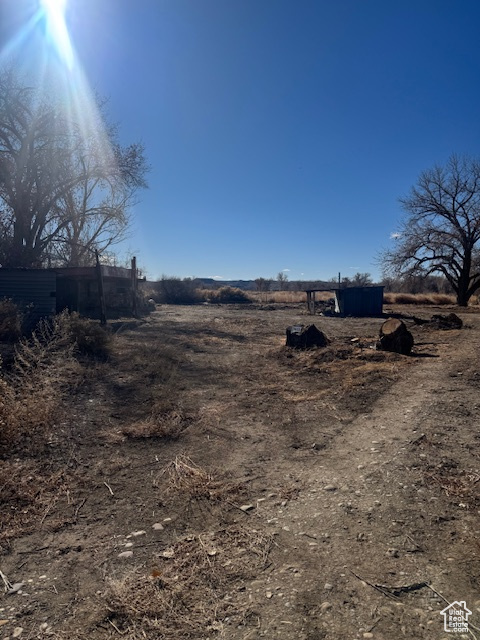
183	594
419	298
32	394
10	321
172	290
88	336
8	415
227	295
186	477
183	478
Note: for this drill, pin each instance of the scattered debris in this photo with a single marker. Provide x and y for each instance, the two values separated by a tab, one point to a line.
7	584
247	507
330	487
109	488
394	592
450	321
16	587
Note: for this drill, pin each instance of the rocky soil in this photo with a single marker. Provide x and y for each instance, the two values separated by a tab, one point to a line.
208	482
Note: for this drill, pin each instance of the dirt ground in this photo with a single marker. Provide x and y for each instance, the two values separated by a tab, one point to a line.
208	482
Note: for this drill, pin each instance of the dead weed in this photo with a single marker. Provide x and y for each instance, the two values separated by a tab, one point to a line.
194	587
348	366
168	426
459	485
32	394
29	494
187	478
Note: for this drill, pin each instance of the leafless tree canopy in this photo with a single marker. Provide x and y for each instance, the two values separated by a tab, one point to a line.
65	189
282	279
263	284
441	231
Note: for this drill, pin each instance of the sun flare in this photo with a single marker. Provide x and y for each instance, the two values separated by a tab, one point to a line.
54	11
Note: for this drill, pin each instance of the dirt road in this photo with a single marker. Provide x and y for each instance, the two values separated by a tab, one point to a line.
329	494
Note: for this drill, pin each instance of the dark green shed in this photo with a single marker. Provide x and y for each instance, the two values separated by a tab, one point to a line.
33	290
359	301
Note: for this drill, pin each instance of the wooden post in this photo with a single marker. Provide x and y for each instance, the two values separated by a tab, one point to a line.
101	292
134	287
313	303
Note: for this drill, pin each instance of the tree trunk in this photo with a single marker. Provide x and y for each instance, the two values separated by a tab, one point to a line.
462	296
464	280
394	336
305	337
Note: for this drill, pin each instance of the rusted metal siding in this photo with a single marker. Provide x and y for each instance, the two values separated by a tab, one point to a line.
33	290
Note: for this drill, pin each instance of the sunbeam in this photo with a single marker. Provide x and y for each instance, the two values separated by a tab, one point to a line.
57	31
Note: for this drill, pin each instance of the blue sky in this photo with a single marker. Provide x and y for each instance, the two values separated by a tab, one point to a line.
280	133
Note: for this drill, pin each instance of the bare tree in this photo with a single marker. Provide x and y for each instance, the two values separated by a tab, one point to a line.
62	192
441	231
361	280
263	284
282	279
95	213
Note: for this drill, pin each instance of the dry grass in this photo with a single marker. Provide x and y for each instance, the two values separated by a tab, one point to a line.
419	298
168	426
186	478
28	495
147	391
459	485
298	297
283	297
346	375
191	589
